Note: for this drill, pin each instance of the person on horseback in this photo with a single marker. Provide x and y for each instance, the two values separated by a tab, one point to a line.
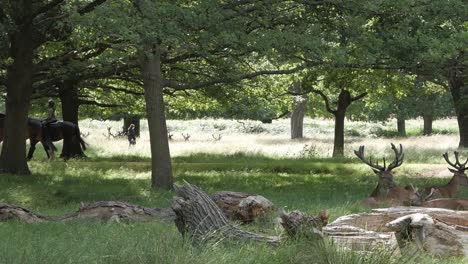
46	123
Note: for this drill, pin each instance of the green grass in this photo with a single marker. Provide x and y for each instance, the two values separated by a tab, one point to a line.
306	184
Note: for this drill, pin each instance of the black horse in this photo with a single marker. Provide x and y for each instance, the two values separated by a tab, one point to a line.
73	144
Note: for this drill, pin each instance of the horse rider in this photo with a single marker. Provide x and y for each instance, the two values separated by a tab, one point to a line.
49	120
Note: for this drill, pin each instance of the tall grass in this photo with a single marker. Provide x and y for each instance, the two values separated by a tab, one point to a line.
274	140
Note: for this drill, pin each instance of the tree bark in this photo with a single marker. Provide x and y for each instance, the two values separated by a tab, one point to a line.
68	92
459	93
338	141
344	101
401	127
19	89
161	173
70	102
299	109
428	118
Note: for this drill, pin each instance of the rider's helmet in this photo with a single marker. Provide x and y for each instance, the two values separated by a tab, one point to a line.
51	103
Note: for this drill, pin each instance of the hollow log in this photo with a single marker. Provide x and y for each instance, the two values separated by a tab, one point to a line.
200	219
244	207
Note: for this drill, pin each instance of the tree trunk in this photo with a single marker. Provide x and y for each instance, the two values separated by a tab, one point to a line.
459	93
299	109
161	173
19	90
427	118
70	105
401	126
70	101
338	142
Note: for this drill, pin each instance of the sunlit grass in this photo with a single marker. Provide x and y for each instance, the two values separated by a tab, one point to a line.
289	173
275	141
309	185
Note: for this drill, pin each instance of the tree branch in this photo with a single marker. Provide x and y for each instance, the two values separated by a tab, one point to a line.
113	88
89	102
251	75
327	101
358	97
46	8
91	6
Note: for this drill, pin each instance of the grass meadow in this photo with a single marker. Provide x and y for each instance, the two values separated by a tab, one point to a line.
250	157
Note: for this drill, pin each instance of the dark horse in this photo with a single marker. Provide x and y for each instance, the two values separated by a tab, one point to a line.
73	144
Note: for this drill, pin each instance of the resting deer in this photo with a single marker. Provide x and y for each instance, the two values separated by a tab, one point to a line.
447	203
451	188
386	190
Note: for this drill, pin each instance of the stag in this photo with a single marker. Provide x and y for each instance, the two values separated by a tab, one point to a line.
216	137
186	136
386	190
451	188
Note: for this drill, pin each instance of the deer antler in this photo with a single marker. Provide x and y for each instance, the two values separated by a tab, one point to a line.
460	167
398	158
216	138
186	137
376	167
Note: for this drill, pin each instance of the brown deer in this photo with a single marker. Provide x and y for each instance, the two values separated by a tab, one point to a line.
451	188
447	203
386	190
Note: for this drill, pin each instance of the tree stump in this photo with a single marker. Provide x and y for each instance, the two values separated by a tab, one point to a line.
200	219
242	206
299	224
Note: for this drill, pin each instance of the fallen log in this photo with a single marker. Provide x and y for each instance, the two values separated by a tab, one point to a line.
15	212
200	219
366	232
431	235
102	211
244	207
119	211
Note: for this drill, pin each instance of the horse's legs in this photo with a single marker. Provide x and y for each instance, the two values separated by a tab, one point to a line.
49	149
32	148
